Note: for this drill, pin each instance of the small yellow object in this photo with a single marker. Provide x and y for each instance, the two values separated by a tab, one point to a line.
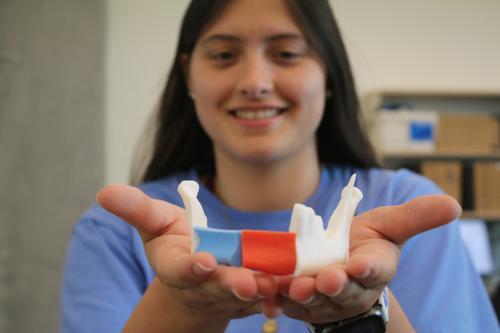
270	326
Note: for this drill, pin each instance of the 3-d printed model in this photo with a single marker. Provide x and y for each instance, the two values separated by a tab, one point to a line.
304	250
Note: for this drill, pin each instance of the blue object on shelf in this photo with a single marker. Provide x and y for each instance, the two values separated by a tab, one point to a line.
421	131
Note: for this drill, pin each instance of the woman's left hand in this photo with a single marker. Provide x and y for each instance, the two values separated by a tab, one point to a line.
376	237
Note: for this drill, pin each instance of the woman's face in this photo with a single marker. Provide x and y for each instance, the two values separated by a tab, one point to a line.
258	88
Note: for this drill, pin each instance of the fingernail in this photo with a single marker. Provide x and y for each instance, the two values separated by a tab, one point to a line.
259	296
276	312
242	298
340	289
284	293
336	293
364	274
307	301
201	270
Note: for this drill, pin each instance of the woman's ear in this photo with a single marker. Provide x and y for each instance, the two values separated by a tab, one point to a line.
184	61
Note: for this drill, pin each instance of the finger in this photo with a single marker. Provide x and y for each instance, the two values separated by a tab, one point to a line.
302	289
149	216
350	292
266	285
399	223
283	284
240	281
331	280
335	283
374	265
271	307
175	266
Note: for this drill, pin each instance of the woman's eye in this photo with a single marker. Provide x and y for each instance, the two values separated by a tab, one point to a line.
223	56
287	55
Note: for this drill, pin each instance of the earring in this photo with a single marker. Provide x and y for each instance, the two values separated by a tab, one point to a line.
190	94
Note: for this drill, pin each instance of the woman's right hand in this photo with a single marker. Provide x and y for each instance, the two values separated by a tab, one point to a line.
193	281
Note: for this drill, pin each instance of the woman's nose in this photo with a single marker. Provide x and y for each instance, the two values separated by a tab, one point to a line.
255	80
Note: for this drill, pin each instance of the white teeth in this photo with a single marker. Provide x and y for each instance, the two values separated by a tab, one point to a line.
256	114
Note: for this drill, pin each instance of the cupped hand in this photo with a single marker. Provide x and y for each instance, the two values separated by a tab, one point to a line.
193	280
376	237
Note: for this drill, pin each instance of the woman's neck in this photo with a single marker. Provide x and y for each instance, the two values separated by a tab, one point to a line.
274	186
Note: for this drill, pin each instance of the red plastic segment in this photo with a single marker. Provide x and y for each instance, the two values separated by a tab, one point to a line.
270	252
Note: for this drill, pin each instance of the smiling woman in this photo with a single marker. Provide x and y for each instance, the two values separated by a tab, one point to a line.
307	41
260	110
259	88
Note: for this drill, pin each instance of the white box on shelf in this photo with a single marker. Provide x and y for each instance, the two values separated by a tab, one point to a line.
405	130
475	235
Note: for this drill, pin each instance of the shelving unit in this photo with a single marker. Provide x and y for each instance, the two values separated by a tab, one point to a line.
458	102
402	155
440	101
413	160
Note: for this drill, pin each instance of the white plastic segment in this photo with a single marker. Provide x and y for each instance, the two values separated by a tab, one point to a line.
188	189
317	248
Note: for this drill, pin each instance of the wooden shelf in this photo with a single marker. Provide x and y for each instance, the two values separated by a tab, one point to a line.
452	101
439	93
405	155
483	215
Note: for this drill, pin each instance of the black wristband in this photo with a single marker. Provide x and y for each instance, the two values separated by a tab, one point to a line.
372	321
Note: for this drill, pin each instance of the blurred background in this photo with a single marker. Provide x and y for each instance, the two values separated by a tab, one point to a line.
79	79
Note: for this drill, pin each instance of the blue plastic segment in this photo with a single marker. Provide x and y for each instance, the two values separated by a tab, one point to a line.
225	245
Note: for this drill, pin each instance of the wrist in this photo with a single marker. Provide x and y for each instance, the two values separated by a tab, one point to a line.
160	311
374	320
194	318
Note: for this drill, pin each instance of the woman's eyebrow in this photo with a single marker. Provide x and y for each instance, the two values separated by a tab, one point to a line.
223	38
284	36
238	39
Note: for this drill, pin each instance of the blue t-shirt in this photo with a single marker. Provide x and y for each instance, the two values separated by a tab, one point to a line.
107	271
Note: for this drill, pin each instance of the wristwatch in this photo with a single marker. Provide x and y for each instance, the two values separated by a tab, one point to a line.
373	321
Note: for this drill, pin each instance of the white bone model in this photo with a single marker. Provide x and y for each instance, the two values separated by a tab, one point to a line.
315	247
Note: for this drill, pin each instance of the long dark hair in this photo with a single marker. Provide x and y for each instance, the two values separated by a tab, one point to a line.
180	143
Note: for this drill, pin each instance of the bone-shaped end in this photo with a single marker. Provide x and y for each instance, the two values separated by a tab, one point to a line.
195	215
299	214
350	193
305	222
310	240
188	189
344	212
339	224
351	182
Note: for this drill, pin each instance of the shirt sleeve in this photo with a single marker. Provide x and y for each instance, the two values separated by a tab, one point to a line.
436	282
104	276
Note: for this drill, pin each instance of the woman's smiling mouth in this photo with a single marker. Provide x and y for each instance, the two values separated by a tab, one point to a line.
258	117
256	114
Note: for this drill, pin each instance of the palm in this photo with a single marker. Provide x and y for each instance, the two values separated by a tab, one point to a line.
376	237
194	280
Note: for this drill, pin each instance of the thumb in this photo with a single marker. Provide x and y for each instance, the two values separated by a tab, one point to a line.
399	223
149	216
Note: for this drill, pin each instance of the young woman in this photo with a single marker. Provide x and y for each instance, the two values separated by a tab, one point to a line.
260	109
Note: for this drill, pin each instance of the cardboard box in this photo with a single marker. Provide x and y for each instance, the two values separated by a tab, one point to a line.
446	174
405	131
467	133
487	186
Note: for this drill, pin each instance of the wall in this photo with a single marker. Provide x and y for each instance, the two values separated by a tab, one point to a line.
393	44
51	147
425	45
142	36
